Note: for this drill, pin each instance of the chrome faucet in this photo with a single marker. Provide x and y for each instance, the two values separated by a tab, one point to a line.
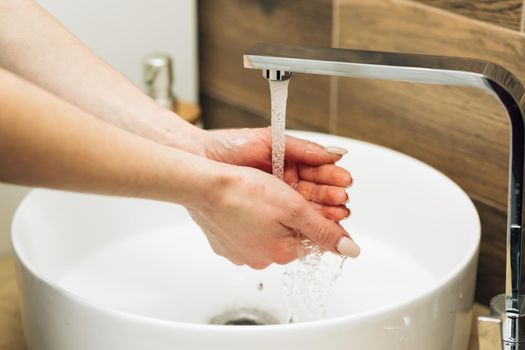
505	327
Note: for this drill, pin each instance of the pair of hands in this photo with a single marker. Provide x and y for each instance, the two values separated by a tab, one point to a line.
249	217
255	219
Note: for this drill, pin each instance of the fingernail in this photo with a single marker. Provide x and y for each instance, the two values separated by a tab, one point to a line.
346	200
347	247
351	183
336	150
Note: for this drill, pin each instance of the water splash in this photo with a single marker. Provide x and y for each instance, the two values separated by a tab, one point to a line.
307	281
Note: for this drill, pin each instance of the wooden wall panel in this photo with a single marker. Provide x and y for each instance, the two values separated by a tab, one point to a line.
228	28
220	114
491	268
464	131
505	13
461	131
11	333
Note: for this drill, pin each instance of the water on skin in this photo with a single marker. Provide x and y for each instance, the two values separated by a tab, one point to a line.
306	281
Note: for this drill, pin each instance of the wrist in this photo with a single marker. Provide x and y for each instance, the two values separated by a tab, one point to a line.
205	182
167	128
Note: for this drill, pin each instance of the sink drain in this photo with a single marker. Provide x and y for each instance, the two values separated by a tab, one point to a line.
244	317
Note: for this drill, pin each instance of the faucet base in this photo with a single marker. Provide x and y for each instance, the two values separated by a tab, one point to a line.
505	327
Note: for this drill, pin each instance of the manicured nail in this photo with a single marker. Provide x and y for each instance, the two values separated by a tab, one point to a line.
336	150
347	247
346	200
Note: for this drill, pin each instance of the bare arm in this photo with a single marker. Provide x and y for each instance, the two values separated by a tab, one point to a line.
38	48
47	142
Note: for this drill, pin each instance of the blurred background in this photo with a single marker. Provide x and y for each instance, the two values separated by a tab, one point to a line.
461	132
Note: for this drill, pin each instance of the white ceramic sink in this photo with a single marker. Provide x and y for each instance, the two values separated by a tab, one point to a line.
104	273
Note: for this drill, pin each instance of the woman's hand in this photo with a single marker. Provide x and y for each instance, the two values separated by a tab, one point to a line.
309	167
252	218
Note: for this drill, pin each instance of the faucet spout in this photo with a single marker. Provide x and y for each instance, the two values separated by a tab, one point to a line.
484	75
275	74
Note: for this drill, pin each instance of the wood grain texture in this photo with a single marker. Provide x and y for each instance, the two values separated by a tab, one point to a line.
228	28
460	131
450	128
218	114
491	269
11	334
505	13
479	310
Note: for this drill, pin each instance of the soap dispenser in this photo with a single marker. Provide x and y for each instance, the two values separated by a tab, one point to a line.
158	80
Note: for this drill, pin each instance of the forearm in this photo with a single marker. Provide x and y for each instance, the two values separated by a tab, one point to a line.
38	48
47	142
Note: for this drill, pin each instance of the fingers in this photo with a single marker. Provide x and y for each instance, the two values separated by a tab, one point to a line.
328	234
221	251
334	213
328	174
288	249
283	252
323	194
311	153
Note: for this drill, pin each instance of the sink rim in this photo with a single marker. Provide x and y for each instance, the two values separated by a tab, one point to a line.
468	256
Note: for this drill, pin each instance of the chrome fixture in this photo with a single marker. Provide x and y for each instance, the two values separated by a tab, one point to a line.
158	79
505	328
273	74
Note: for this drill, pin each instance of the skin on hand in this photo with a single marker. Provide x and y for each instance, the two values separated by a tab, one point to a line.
252	218
309	167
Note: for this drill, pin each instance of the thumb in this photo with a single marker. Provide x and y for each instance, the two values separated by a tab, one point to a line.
326	233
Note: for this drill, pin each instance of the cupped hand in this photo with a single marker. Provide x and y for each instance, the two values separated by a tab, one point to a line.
309	167
251	217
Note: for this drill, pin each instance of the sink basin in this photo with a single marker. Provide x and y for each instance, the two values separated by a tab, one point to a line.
108	273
